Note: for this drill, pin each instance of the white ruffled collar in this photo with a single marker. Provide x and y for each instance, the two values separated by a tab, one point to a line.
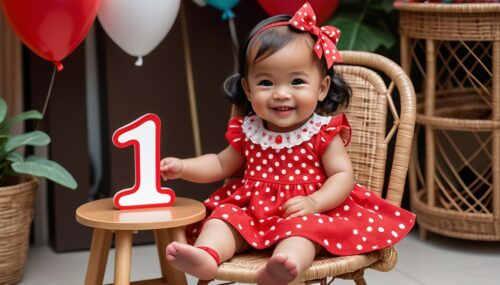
253	128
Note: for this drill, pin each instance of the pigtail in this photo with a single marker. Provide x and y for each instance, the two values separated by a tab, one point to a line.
338	95
233	91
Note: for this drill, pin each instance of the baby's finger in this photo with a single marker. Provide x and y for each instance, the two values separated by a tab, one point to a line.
290	210
173	164
164	161
164	168
298	214
289	203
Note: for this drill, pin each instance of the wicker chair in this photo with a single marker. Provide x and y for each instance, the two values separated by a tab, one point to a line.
367	114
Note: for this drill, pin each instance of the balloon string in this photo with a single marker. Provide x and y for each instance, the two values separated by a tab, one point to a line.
47	98
234	38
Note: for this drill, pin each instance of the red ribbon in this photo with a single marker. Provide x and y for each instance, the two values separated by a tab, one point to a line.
328	36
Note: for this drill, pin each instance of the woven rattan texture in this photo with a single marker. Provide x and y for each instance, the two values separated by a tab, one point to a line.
244	267
475	22
367	115
16	214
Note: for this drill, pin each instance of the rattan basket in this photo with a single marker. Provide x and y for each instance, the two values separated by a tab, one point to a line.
455	175
16	214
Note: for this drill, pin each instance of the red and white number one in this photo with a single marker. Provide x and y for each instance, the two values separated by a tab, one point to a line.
144	135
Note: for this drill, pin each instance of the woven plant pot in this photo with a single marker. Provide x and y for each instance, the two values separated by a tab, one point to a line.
16	214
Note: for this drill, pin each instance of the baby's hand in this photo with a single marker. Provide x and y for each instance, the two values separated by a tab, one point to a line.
171	168
299	206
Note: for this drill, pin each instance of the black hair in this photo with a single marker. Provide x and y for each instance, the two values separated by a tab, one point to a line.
270	41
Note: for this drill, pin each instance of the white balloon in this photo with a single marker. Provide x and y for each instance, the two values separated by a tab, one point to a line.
138	26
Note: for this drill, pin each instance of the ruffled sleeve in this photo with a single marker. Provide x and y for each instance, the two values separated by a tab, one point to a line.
234	135
338	125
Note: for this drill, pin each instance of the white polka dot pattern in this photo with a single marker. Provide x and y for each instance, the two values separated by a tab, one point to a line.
253	205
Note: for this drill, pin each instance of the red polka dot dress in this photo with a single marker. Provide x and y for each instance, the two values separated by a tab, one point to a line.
280	166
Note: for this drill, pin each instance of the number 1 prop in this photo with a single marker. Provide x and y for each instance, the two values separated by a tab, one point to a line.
144	135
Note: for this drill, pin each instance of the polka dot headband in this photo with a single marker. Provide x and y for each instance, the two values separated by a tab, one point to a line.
327	36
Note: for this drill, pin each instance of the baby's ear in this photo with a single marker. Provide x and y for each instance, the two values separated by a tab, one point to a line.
246	87
324	87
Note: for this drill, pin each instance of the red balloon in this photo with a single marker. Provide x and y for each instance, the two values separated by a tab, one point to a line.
323	8
51	28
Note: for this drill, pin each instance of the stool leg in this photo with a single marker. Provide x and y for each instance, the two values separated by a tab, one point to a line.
99	249
178	234
123	252
163	238
172	275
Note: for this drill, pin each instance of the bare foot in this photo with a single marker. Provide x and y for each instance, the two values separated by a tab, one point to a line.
279	270
192	260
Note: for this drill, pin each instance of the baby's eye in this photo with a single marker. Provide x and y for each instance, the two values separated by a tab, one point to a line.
298	81
265	82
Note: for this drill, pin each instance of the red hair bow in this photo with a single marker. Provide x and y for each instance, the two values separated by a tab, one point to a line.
328	36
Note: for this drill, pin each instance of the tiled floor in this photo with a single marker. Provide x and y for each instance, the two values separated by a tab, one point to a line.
439	260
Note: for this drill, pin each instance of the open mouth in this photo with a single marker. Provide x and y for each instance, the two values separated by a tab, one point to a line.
283	109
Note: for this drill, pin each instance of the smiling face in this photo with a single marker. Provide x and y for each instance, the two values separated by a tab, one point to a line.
285	87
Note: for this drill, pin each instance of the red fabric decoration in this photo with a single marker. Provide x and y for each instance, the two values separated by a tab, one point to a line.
253	204
212	253
327	36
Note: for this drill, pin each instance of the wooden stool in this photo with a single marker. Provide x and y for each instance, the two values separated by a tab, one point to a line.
168	225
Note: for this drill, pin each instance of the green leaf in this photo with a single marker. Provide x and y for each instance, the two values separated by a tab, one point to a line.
28	115
359	35
383	33
3	141
384	5
37	138
3	109
41	167
388	5
14	157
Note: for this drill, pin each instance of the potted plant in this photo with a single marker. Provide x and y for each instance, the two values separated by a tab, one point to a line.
17	190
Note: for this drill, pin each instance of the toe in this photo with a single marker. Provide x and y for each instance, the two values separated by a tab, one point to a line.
279	258
290	265
176	245
172	249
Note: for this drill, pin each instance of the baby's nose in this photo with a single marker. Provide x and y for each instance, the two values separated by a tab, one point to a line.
282	93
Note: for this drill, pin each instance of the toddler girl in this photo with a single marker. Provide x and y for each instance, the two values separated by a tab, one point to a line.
297	192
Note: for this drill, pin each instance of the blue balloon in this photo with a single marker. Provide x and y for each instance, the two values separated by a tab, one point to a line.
223	4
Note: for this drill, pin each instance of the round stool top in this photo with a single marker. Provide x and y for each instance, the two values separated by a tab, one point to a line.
103	214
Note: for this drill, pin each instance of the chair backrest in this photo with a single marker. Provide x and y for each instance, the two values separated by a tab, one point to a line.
367	114
376	81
